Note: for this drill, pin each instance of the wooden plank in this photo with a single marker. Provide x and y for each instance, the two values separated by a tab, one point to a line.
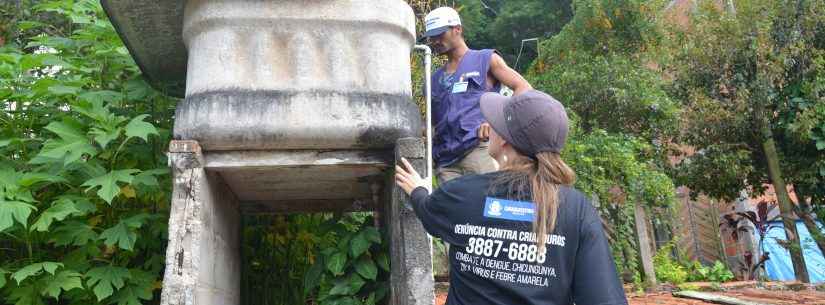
714	298
644	247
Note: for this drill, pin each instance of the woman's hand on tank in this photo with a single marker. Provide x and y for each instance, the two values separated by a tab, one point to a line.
408	179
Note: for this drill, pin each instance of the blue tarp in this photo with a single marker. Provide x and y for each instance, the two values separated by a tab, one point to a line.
779	267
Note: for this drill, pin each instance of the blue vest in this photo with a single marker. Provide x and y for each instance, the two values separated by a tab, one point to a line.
455	106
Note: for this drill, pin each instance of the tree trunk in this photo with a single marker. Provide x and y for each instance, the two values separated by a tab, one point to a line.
645	252
785	205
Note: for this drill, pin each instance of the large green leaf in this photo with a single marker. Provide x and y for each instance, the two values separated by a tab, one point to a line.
64	280
370	300
124	232
101	97
138	128
109	188
359	244
355	283
104	137
366	268
11	211
26	295
137	89
3	277
148	177
312	277
64	90
139	287
336	263
57	212
71	145
372	234
347	285
73	233
383	261
131	295
82	204
29	179
35	269
105	280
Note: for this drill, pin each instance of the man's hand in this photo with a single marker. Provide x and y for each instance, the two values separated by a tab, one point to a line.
408	179
484	131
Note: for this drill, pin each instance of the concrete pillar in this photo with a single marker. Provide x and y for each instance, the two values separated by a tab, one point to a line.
410	246
645	250
203	259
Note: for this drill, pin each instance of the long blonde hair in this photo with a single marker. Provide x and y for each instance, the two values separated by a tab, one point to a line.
543	175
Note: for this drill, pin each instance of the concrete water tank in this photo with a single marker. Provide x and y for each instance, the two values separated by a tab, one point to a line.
278	74
288	106
297	74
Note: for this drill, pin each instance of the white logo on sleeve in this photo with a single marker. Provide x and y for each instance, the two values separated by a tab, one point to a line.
495	209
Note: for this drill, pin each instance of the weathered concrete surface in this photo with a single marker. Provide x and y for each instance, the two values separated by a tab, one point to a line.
278	74
152	31
259	120
280	33
203	263
297	75
340	45
410	246
300	180
307	206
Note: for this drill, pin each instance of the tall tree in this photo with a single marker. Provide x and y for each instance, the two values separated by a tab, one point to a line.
740	74
598	67
601	66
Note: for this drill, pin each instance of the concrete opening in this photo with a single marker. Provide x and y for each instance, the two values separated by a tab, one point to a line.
278	251
205	258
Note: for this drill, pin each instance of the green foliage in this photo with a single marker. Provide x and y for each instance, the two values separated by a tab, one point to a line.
83	196
718	273
106	279
502	25
667	269
598	66
595	87
688	286
351	265
734	71
603	161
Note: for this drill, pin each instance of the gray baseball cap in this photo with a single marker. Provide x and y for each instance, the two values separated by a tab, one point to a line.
532	122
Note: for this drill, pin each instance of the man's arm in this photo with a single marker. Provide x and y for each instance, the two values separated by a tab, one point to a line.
507	76
499	71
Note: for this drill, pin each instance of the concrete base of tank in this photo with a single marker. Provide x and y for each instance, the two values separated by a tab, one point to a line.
213	189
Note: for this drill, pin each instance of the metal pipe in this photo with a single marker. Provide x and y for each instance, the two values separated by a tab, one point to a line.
428	61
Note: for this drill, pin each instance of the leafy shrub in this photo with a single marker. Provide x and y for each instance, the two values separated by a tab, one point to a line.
351	265
667	269
717	273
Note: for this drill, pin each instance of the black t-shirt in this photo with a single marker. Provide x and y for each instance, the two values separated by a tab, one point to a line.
493	254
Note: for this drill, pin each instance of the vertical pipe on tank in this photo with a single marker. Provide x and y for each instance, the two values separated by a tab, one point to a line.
428	54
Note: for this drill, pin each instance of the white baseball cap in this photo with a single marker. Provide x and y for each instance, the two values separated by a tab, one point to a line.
440	20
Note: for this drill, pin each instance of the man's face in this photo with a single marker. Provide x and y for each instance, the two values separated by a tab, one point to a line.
445	42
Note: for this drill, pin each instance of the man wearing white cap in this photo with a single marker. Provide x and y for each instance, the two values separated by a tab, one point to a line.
461	135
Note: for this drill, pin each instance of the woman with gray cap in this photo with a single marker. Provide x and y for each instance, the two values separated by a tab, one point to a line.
521	235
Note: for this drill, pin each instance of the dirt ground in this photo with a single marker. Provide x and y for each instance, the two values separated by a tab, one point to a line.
764	293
